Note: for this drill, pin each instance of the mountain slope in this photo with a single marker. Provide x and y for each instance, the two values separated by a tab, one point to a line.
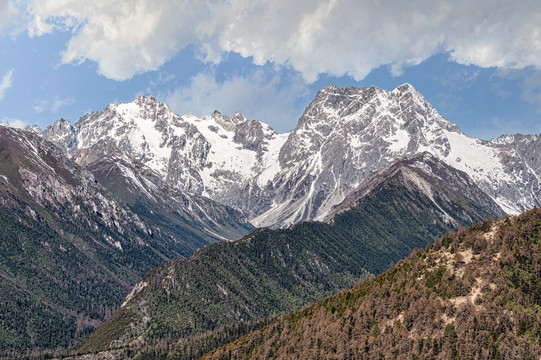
68	248
474	294
452	192
191	219
344	135
70	251
273	271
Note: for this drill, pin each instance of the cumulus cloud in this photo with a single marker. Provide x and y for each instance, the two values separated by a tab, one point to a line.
6	83
123	37
336	37
256	94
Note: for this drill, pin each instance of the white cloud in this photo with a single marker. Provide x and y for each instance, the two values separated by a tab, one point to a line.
325	36
259	96
41	106
6	83
16	123
123	37
58	103
8	13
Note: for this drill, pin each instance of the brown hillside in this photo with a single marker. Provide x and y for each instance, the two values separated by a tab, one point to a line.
475	294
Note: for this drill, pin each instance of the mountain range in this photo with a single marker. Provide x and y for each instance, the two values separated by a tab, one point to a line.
344	135
228	287
366	176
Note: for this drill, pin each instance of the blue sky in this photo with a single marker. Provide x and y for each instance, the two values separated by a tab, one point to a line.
478	63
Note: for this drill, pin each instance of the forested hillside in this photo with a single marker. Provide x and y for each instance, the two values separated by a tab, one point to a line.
475	294
218	293
70	251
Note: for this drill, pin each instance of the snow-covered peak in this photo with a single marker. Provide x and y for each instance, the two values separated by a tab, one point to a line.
34	129
344	135
148	102
403	105
238	117
406	87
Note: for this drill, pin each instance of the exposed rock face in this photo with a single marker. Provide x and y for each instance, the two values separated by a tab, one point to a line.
344	135
60	133
456	198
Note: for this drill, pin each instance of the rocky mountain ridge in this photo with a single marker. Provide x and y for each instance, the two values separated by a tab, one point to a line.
435	180
344	135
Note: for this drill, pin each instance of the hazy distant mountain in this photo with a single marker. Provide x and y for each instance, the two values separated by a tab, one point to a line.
280	179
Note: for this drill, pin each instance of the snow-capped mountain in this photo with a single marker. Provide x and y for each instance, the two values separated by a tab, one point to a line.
346	134
343	136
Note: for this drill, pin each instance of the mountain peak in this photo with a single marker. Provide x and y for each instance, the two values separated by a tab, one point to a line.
331	88
144	98
406	87
61	133
238	117
62	123
149	101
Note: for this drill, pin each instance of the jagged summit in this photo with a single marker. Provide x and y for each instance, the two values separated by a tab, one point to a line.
390	113
140	99
405	87
239	117
344	135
